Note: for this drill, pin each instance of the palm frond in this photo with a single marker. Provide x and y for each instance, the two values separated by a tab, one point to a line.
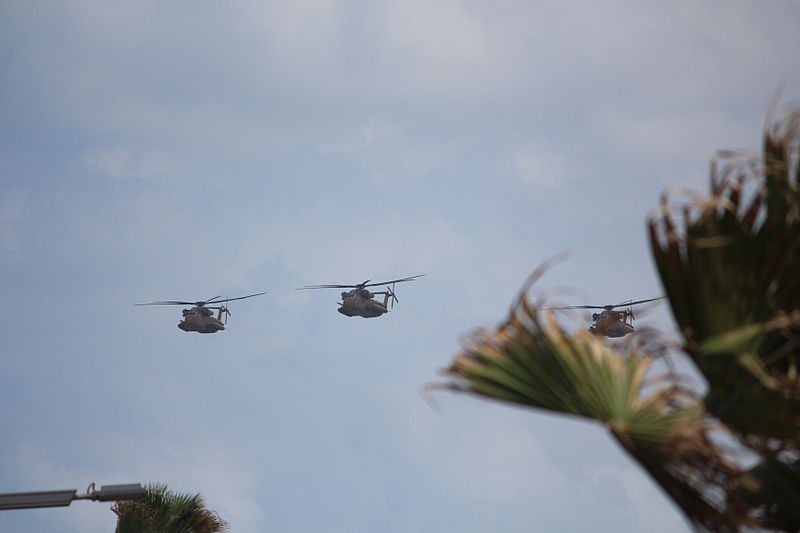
530	360
729	266
164	511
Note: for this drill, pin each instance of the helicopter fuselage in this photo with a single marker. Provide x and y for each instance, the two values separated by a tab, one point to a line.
200	317
201	320
359	302
611	324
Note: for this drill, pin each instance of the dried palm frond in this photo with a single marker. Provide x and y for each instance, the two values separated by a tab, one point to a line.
729	267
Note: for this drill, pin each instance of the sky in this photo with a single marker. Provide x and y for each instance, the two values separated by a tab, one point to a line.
182	150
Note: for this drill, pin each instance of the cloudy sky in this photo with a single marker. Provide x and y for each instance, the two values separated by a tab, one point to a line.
180	150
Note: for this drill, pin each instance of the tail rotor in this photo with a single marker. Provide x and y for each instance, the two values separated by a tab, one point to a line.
392	295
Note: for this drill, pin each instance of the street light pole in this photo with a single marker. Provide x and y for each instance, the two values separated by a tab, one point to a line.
62	498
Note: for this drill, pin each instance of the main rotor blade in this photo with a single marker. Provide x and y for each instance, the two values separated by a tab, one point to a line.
202	303
628	304
238	298
606	307
327	287
572	307
361	285
401	280
169	302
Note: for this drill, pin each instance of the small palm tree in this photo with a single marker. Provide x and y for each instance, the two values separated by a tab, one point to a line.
163	511
730	265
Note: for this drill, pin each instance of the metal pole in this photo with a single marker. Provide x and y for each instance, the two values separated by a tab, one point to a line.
62	498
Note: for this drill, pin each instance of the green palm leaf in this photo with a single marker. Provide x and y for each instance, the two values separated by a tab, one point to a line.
530	360
163	511
729	266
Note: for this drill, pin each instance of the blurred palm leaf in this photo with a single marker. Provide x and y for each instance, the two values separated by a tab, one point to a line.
163	511
729	266
533	362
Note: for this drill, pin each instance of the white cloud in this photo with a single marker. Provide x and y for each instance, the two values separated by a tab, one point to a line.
690	135
504	461
228	486
302	52
351	247
384	153
442	50
652	512
304	31
494	457
539	165
366	136
123	163
12	210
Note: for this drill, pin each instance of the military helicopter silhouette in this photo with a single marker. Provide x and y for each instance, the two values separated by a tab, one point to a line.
360	302
608	322
200	318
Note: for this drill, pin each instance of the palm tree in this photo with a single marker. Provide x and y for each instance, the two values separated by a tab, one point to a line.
730	265
163	511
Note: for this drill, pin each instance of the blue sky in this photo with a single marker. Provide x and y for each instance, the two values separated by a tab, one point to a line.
181	150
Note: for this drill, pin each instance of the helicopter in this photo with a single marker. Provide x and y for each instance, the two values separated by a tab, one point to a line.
608	322
360	302
200	318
